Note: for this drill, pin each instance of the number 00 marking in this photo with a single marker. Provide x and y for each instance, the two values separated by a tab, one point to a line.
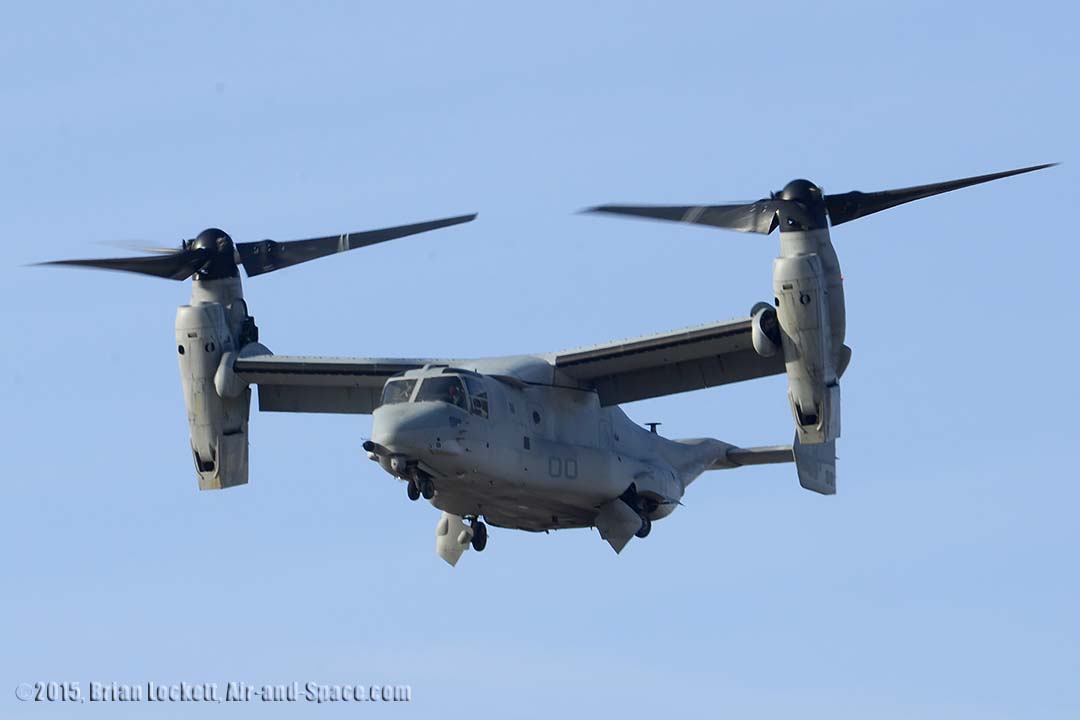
557	467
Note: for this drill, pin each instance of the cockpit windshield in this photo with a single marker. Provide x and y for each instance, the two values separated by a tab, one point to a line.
444	388
397	391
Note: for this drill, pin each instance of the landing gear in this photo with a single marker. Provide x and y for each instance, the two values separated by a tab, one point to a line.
479	538
420	485
643	506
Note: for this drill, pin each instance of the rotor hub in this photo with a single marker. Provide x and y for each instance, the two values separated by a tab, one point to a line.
804	207
214	240
802	191
220	250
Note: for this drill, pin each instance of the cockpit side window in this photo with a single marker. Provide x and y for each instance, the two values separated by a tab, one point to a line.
478	396
397	391
444	388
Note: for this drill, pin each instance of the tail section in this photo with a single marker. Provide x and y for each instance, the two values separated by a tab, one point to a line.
815	464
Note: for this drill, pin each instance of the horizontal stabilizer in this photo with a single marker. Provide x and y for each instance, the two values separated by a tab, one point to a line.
758	455
815	464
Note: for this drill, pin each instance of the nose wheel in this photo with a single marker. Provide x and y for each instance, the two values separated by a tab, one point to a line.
420	486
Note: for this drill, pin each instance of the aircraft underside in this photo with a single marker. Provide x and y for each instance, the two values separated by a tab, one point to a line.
503	504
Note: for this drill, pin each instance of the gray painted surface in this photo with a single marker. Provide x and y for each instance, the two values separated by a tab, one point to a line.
534	442
531	442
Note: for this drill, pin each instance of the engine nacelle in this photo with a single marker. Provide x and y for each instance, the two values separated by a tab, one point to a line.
764	330
218	421
803	311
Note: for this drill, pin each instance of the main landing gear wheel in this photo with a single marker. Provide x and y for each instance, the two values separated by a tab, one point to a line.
645	529
479	538
413	490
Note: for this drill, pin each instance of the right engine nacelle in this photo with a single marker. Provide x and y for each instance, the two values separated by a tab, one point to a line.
219	424
804	315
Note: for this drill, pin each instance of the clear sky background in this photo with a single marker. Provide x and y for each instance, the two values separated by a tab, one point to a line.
941	581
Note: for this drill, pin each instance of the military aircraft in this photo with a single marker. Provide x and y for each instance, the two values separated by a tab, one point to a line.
533	442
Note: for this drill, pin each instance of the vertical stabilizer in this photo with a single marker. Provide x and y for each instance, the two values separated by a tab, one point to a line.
816	465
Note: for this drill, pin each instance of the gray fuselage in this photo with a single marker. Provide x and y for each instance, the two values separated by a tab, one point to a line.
523	455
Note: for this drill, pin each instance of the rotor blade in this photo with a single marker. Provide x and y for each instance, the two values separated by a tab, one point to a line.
757	217
176	266
852	205
140	247
267	255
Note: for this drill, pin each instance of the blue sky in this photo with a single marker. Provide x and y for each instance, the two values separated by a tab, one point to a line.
941	580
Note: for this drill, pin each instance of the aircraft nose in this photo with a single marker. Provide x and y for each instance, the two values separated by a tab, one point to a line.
411	428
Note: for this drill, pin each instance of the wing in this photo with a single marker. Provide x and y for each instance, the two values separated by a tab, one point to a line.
669	363
321	385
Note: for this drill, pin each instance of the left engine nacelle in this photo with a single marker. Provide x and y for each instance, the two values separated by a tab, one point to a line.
218	421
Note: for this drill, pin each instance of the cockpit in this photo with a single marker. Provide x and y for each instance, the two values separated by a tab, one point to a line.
466	391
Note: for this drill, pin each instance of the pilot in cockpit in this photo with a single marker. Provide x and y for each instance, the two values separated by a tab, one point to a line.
457	396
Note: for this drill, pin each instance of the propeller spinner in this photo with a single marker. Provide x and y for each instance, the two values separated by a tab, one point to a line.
213	255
